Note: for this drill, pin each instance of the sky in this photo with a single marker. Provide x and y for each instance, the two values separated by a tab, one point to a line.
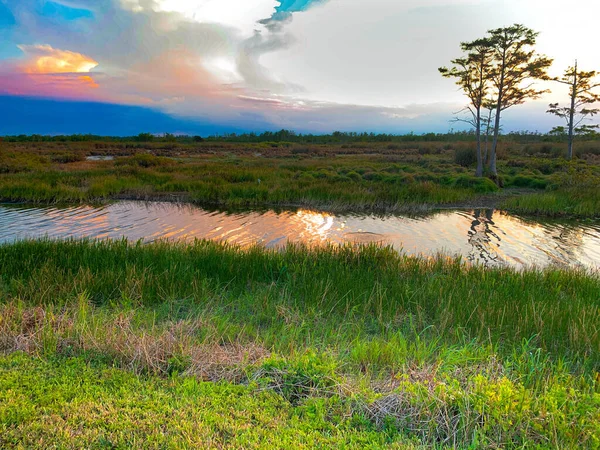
219	66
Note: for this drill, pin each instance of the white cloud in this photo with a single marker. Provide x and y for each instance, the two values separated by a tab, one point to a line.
243	15
386	52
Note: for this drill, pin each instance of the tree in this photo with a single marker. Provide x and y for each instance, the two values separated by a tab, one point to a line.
471	73
145	137
580	91
515	67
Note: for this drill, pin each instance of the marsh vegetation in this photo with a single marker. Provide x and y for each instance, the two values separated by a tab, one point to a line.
535	177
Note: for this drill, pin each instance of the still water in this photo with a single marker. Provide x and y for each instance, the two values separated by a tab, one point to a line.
483	236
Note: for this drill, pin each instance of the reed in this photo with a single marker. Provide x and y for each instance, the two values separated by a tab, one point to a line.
369	177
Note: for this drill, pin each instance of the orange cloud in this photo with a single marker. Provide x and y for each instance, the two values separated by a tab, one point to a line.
46	59
89	81
49	72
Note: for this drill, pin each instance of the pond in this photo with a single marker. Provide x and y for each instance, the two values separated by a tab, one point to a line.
488	237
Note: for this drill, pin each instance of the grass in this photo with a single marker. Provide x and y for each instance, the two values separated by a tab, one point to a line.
347	177
574	193
71	404
333	347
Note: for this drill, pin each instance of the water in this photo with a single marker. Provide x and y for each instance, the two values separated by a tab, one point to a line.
100	158
488	237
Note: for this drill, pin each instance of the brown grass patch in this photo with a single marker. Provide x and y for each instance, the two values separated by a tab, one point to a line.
172	347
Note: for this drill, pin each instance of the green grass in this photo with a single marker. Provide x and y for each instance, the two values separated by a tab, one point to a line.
335	177
570	203
232	180
347	177
340	346
575	193
71	404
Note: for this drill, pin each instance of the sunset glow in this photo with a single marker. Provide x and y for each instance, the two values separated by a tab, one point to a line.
46	59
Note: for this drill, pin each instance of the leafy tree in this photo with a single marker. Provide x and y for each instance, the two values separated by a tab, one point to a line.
515	67
471	73
581	86
144	137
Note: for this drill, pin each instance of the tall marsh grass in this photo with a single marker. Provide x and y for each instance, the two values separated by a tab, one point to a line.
356	338
279	297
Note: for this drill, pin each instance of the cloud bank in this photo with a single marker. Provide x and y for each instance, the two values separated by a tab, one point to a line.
266	64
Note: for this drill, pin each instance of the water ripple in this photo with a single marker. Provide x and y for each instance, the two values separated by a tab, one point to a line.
483	236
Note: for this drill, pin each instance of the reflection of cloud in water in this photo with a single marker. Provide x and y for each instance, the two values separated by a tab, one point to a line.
482	236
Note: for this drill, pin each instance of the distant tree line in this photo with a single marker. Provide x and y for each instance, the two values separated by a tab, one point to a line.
499	71
559	134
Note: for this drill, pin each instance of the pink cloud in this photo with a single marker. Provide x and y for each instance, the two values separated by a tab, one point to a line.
49	72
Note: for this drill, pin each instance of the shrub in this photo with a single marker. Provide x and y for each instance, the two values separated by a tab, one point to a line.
465	157
373	176
354	176
527	182
144	160
65	158
480	185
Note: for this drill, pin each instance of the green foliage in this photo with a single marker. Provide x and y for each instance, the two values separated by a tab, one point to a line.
575	192
311	375
144	160
74	403
479	185
13	163
329	346
465	156
354	177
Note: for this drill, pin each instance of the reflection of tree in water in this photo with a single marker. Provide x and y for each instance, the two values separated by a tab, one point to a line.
560	242
481	236
564	243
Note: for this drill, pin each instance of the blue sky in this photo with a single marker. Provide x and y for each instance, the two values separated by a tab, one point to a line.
53	10
204	66
295	5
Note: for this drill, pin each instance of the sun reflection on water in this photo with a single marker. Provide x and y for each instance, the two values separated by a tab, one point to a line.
316	224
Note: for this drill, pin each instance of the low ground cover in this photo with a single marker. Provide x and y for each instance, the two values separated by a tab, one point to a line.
354	346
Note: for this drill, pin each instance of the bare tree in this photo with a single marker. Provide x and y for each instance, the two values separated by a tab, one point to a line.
472	75
515	67
581	86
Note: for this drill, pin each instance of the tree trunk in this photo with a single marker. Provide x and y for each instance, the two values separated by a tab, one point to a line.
487	137
493	168
572	114
479	171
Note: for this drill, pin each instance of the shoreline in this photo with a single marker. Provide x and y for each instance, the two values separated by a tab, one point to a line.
486	202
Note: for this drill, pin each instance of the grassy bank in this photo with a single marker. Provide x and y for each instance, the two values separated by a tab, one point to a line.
332	346
354	177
